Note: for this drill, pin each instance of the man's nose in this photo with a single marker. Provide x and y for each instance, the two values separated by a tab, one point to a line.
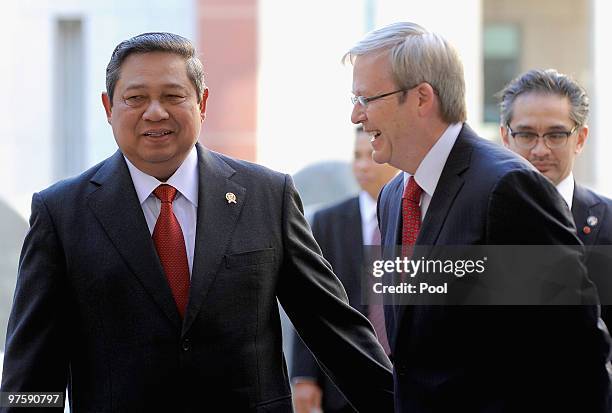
358	114
540	149
155	111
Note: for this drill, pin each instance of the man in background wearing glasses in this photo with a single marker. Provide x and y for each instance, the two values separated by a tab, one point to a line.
544	117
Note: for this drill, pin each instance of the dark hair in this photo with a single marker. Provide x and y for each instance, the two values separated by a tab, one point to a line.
547	82
155	42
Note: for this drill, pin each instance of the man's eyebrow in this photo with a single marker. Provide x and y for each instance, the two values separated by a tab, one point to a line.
531	128
523	126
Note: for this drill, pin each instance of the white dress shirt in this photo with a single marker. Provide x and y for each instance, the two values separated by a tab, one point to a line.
369	221
566	189
185	204
428	173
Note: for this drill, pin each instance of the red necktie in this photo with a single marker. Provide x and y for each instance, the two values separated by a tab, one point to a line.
376	312
170	246
411	215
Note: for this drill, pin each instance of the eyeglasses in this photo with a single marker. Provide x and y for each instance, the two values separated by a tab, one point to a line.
363	101
552	140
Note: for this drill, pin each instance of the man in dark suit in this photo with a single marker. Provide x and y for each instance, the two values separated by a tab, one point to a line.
341	231
459	189
553	106
150	282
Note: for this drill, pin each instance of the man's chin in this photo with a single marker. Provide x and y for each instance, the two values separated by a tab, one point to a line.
380	157
552	177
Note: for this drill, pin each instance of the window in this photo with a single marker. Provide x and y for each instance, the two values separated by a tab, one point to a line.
501	64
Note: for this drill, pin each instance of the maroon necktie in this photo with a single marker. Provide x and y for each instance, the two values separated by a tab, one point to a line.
411	215
170	246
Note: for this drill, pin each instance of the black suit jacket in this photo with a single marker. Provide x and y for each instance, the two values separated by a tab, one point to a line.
93	310
337	230
493	358
597	239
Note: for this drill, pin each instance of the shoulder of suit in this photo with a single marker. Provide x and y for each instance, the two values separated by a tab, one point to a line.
249	168
76	183
493	166
495	157
593	204
338	208
595	196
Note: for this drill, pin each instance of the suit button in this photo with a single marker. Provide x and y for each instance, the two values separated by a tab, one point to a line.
186	345
401	369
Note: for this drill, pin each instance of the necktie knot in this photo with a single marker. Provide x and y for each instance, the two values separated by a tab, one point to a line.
413	191
165	193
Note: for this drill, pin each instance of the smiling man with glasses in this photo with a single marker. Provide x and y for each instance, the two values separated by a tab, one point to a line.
544	117
458	189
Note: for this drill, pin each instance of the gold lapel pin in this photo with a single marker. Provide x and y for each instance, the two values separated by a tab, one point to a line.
231	198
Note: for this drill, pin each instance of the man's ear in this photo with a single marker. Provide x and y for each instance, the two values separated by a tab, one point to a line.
203	104
426	98
583	134
108	108
503	131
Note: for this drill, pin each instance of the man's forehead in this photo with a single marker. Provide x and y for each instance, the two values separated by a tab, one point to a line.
371	71
536	106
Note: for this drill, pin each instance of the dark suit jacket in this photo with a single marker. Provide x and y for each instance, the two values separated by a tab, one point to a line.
93	310
598	256
493	358
337	230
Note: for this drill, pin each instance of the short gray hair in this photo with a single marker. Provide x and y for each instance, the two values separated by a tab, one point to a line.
545	82
155	42
418	56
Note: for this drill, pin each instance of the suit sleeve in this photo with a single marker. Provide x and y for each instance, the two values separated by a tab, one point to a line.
36	357
340	337
304	365
567	352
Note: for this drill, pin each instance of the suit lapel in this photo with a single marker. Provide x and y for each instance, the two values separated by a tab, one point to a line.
217	219
584	205
448	187
394	238
446	191
115	205
392	242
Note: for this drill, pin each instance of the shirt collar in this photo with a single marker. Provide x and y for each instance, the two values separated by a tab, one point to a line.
428	173
566	189
367	207
184	179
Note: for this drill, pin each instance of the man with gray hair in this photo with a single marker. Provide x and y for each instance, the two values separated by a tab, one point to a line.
544	116
460	189
151	282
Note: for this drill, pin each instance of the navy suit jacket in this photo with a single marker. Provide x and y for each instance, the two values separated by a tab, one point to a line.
93	310
587	204
493	358
337	230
